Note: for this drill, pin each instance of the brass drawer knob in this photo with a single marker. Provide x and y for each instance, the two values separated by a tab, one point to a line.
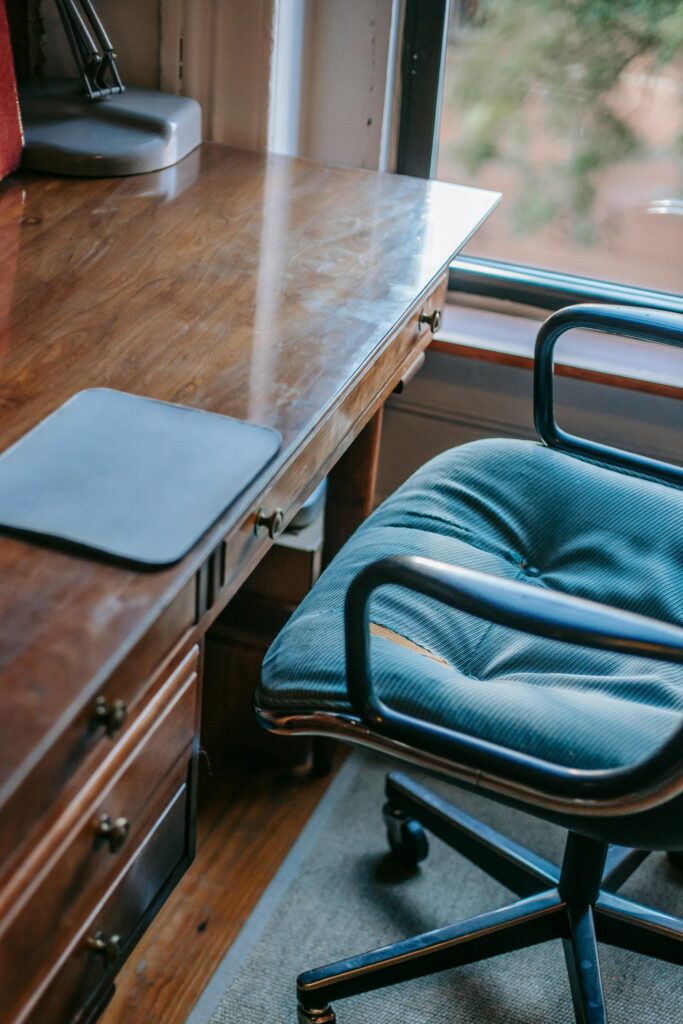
106	946
113	832
271	523
433	320
111	716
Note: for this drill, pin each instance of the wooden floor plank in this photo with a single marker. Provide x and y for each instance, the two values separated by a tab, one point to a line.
247	823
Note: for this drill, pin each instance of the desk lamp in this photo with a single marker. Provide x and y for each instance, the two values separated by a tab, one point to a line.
95	126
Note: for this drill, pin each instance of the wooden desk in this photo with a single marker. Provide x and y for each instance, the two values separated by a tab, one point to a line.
276	290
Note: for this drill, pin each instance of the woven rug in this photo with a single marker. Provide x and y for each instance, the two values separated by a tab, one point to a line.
338	893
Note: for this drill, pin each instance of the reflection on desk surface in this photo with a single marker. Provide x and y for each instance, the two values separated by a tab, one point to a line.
261	287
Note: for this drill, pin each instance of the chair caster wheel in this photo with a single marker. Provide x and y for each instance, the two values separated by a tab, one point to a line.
407	839
676	858
324	1016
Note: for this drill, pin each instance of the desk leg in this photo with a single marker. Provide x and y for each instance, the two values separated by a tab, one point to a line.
350	499
351	487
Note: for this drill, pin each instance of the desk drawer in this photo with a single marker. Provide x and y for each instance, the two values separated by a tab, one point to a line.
93	733
365	393
94	839
81	977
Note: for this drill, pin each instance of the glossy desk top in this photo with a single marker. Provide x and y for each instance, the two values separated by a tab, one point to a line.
251	285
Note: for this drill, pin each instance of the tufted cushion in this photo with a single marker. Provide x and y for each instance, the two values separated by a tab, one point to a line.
521	511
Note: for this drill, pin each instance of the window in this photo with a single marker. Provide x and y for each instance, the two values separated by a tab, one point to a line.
574	110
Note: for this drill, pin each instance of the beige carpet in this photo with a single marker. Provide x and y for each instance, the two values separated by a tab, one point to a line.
339	894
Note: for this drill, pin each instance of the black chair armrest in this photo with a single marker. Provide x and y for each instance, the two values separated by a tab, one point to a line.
651	325
543	613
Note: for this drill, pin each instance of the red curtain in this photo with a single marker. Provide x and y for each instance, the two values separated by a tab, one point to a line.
10	123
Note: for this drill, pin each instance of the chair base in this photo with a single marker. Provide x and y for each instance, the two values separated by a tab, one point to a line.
576	903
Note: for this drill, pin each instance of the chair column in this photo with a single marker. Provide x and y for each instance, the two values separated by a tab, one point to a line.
582	869
580	879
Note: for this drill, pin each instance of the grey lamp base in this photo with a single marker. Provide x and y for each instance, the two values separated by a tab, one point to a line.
136	131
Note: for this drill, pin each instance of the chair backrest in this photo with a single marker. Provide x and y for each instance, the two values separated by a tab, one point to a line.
651	325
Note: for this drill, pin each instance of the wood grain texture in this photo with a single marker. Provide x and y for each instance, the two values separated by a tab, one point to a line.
69	762
274	290
262	287
64	881
79	977
246	826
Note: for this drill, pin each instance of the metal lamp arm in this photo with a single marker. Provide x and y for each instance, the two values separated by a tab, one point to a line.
542	613
91	47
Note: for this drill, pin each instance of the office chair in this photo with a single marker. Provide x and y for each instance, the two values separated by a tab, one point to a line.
523	640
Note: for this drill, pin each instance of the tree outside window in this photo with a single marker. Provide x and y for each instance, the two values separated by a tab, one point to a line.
574	109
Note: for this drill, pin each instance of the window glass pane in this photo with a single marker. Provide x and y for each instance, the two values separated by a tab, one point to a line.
574	110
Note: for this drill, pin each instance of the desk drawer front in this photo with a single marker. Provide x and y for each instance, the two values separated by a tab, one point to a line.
83	975
232	561
90	738
364	397
110	819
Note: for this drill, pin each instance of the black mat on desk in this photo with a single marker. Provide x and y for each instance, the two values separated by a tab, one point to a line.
129	477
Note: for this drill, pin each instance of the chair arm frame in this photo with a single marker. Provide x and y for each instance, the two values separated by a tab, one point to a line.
651	325
534	610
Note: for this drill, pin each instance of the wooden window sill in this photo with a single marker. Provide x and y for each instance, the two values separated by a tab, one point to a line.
507	339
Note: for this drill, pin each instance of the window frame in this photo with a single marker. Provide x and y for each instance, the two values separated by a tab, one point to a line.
423	61
425	35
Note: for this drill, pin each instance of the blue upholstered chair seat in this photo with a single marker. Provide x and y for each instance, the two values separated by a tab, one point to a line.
521	511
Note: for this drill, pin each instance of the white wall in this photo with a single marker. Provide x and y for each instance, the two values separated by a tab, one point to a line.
348	75
292	42
312	78
228	49
331	72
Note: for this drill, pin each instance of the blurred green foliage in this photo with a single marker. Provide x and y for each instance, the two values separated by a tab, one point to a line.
524	70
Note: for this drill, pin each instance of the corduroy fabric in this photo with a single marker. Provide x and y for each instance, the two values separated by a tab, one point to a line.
522	511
